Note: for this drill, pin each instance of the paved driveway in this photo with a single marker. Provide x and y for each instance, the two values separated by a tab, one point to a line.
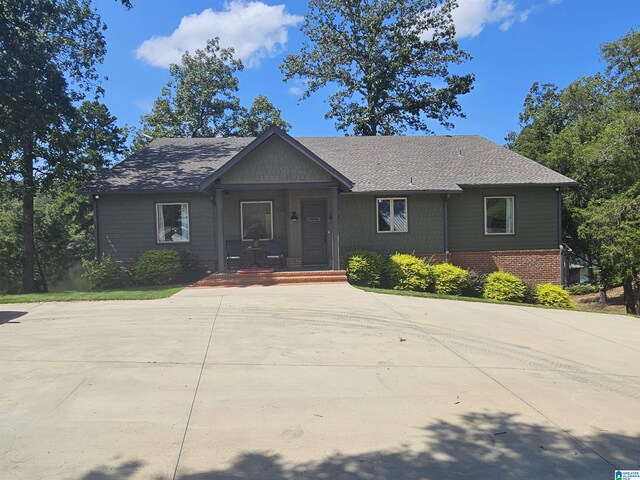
317	382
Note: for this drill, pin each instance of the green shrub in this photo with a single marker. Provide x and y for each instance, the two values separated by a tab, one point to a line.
365	268
475	284
505	287
583	289
157	267
449	279
553	296
407	272
104	273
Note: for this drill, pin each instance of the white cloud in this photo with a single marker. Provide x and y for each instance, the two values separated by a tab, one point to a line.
297	91
254	29
472	16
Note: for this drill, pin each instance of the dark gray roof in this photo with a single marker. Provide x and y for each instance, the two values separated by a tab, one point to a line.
373	164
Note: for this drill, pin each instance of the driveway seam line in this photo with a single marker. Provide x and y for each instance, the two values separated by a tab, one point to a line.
479	369
195	393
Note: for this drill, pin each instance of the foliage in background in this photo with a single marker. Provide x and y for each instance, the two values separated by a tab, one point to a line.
504	287
475	284
407	272
590	131
157	267
552	295
583	289
449	279
387	62
105	273
365	268
200	101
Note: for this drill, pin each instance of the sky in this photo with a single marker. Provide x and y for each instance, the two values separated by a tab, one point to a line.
513	43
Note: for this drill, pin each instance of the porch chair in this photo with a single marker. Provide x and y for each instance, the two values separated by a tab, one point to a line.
275	255
234	254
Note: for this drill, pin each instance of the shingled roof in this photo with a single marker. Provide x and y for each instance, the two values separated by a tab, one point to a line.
372	164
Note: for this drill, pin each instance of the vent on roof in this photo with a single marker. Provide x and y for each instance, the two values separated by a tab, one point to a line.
411	182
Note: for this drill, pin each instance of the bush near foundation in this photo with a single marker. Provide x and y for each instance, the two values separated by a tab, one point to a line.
365	268
157	267
408	272
475	284
553	296
449	279
505	287
104	273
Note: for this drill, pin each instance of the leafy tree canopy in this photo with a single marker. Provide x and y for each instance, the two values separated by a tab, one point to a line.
261	115
387	61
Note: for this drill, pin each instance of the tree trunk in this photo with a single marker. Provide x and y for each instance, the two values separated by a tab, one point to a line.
602	301
629	296
28	185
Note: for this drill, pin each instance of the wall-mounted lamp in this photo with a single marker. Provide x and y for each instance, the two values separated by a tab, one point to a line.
294	216
96	197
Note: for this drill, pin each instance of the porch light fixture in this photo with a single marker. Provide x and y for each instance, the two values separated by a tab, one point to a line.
294	216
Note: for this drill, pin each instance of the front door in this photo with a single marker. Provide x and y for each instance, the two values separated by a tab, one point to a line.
314	232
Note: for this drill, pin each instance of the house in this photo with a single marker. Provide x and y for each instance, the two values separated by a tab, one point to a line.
462	199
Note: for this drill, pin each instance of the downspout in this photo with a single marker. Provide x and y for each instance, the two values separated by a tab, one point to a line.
446	226
559	238
96	235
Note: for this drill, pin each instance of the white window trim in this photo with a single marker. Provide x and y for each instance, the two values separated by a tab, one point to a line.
513	213
391	212
270	202
158	208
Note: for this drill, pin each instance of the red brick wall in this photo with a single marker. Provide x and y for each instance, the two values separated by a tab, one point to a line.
537	266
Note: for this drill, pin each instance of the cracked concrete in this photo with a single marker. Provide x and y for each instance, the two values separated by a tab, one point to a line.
314	382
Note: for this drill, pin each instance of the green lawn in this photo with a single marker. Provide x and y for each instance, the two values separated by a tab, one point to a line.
135	293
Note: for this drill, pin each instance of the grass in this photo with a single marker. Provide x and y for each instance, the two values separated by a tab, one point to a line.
134	293
589	302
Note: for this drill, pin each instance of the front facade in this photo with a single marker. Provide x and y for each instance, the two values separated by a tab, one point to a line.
315	200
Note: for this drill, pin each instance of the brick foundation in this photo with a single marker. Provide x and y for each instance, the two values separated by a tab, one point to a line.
537	266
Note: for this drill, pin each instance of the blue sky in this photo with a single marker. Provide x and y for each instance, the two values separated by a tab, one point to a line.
513	42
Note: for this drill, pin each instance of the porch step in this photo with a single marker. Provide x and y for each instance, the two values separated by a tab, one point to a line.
271	278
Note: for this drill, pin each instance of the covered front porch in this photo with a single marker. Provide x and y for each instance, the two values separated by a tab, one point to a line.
284	227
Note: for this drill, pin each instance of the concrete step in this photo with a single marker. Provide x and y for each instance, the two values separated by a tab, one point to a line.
274	278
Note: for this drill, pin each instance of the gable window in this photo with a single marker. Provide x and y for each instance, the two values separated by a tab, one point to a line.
392	215
256	220
172	222
499	216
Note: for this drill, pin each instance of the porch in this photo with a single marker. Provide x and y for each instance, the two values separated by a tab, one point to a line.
246	278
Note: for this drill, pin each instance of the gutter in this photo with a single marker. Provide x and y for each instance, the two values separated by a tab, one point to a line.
96	233
445	207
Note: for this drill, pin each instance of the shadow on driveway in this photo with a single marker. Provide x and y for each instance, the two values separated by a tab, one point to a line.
479	445
7	317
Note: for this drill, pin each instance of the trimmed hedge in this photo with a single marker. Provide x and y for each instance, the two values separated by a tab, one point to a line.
408	272
104	273
157	267
505	287
365	268
553	296
583	289
449	279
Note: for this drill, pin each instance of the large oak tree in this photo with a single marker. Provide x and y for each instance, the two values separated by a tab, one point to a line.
387	62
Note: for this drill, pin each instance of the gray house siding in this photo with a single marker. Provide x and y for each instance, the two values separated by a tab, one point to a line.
275	162
127	225
358	225
536	220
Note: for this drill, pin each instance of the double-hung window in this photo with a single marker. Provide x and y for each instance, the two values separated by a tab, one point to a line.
172	222
392	215
499	216
256	220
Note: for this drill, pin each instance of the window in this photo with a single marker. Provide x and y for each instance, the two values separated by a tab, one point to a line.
499	216
172	221
392	215
256	220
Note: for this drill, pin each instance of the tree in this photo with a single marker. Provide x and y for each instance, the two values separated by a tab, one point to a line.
590	131
48	56
261	115
200	99
384	59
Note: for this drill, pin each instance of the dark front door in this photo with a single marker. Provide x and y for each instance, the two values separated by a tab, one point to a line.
314	232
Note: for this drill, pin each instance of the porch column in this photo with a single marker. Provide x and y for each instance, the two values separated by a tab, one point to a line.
335	234
220	232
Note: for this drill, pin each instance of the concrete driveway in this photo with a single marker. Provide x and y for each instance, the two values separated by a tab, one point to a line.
315	382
